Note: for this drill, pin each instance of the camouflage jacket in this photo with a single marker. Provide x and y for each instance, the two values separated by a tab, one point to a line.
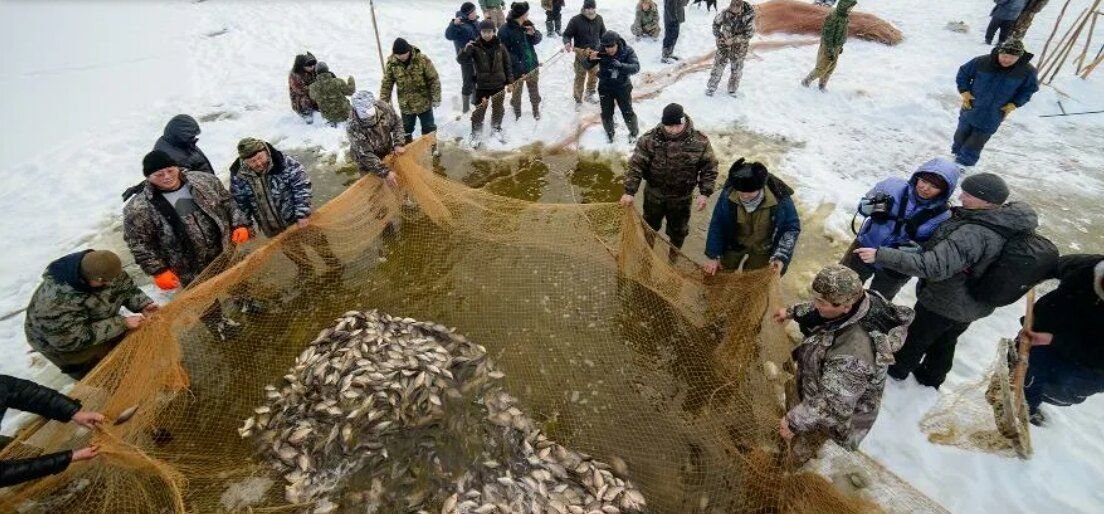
834	32
417	82
331	95
66	315
299	90
672	165
372	139
730	28
287	192
841	367
160	240
646	23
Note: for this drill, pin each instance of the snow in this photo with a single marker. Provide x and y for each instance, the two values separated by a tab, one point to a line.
88	87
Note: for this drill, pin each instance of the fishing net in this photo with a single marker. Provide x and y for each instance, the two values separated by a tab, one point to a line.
604	340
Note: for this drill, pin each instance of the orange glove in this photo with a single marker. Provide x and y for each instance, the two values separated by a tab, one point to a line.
239	235
166	280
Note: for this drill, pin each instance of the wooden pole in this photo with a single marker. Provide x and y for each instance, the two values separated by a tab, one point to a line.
1063	55
1057	23
1096	62
375	28
1088	44
1053	57
1020	374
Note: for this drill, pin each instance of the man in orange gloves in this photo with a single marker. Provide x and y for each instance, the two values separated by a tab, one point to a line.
73	319
180	223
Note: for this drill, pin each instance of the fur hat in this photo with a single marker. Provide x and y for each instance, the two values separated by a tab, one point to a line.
467	8
486	25
519	9
589	4
747	177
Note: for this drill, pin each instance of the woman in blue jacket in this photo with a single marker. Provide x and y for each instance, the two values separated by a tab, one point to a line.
902	214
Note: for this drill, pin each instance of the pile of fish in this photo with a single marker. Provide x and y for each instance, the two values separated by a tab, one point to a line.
416	410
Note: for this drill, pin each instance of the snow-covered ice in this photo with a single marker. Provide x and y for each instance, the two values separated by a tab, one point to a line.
88	87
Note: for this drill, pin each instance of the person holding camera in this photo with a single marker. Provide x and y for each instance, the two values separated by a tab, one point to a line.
901	214
616	63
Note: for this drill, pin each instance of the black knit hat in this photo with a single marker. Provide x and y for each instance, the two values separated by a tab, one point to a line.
986	186
519	9
467	8
486	25
157	160
400	46
672	114
589	4
609	38
747	177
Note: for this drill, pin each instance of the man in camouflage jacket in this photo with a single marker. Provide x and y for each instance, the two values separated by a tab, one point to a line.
374	132
492	10
733	28
832	38
673	158
850	337
646	23
73	319
419	87
274	190
331	94
166	243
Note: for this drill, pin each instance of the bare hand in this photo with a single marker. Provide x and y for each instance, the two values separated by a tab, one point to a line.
150	309
711	266
456	21
867	255
470	43
302	223
88	419
626	200
133	322
700	202
784	429
781	315
89	452
569	48
399	150
1038	338
776	266
391	179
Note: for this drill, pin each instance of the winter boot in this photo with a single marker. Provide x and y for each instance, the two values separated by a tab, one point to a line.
709	91
591	97
609	136
807	81
608	125
634	129
466	101
549	24
536	113
1037	418
666	59
476	139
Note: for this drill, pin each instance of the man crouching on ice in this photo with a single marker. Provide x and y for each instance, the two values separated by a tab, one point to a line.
850	336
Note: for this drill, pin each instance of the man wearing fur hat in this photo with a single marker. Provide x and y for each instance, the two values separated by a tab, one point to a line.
850	337
961	248
992	86
673	158
755	222
374	132
73	319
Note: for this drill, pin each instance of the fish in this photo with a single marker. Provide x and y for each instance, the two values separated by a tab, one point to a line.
125	416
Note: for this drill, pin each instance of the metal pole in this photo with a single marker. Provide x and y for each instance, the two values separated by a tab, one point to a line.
375	28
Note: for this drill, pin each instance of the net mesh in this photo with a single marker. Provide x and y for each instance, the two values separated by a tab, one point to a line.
611	342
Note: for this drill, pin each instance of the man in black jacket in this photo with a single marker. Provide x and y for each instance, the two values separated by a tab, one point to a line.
583	36
31	397
617	63
179	142
491	64
1066	364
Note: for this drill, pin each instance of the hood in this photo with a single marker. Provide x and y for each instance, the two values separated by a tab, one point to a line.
66	270
948	170
301	61
182	130
1016	217
885	317
325	75
1024	60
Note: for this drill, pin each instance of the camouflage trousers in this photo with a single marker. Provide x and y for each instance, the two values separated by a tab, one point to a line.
532	83
585	78
827	58
496	15
676	210
733	54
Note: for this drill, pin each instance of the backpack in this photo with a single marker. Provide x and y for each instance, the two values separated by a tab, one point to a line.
1026	259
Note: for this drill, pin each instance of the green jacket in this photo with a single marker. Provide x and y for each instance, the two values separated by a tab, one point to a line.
66	317
834	33
492	4
330	93
417	82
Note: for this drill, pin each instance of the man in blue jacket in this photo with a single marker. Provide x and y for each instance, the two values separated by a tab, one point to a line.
902	214
519	36
754	223
992	86
616	63
463	29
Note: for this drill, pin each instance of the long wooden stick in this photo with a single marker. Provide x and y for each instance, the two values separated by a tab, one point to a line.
1063	56
379	46
1096	62
1053	57
1057	23
1024	349
1088	44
